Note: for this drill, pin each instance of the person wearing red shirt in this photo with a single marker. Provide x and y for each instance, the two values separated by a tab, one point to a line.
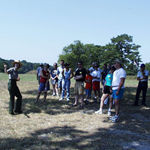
88	86
44	82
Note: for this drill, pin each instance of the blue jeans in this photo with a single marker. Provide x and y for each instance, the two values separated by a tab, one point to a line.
65	88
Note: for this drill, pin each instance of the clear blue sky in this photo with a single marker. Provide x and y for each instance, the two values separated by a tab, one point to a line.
37	30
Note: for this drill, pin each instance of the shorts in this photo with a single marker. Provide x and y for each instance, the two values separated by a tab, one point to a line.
88	92
79	88
107	90
96	85
43	88
119	96
53	82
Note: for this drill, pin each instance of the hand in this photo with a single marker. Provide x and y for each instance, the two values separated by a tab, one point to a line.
18	79
110	91
5	66
117	92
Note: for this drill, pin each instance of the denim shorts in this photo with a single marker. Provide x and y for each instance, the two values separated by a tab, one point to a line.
88	92
119	96
43	88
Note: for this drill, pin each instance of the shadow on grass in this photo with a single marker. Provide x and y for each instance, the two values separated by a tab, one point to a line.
68	137
132	128
53	106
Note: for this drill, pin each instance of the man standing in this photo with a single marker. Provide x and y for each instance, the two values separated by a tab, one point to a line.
13	88
118	81
142	77
80	75
44	82
38	72
60	70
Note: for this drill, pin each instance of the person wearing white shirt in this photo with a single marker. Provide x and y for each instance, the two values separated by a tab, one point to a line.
96	74
142	77
118	81
60	70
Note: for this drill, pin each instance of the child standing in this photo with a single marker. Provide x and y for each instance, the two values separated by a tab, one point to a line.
88	86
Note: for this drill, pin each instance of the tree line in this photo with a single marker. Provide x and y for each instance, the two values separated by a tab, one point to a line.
26	66
120	47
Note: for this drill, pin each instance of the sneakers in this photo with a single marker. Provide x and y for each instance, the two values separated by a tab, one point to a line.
109	113
99	112
114	118
53	94
68	99
61	99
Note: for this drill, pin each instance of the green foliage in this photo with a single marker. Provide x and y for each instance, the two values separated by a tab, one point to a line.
148	66
120	47
26	66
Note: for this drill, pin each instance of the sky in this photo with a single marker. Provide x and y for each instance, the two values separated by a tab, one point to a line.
38	30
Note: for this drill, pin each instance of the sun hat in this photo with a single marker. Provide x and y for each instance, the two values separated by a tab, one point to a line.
17	62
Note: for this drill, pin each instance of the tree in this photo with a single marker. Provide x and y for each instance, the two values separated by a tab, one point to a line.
120	47
127	52
148	66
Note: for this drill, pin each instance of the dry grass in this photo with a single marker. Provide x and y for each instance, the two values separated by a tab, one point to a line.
56	125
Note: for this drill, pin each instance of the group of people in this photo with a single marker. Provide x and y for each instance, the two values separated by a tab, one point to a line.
112	78
86	81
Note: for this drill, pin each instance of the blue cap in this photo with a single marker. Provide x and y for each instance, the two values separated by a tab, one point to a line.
142	65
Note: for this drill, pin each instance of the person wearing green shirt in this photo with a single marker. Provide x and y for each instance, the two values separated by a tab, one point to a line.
13	88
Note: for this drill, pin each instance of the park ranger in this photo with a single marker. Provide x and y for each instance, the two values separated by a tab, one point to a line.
13	88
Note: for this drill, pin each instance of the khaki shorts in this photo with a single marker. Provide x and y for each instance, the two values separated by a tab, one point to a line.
79	88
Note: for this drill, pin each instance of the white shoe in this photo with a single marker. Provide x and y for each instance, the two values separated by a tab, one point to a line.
68	99
54	94
109	113
61	99
99	112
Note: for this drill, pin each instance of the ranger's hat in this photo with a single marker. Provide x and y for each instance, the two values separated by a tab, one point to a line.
17	62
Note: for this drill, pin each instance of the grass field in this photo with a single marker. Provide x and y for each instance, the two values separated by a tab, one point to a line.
56	125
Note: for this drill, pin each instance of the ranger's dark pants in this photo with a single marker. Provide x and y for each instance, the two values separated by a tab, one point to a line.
14	91
142	86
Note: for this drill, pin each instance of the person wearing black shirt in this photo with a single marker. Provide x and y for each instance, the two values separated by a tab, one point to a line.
80	75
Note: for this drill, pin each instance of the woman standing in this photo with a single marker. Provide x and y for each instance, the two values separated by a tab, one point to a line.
107	92
13	88
54	80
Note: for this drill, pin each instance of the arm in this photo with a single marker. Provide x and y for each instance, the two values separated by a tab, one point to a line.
145	76
120	85
5	68
72	74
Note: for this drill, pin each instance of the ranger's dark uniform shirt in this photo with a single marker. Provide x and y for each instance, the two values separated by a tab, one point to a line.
13	73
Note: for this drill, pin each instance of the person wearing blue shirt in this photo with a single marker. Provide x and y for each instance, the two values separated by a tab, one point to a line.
107	92
38	72
67	75
142	77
